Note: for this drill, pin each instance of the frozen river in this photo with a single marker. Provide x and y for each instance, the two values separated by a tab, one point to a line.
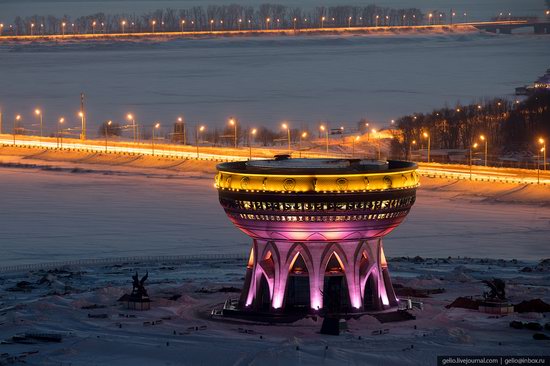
55	216
263	81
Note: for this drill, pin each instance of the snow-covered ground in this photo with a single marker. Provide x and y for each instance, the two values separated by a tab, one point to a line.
264	80
184	292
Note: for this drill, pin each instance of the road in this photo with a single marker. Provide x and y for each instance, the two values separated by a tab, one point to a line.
256	32
450	171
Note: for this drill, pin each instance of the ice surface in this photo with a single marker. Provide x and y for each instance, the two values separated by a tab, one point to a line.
97	212
264	80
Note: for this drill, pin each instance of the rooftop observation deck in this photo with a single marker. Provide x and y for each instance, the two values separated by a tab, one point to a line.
287	166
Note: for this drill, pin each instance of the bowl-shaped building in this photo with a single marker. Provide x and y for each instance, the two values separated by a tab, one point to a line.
317	227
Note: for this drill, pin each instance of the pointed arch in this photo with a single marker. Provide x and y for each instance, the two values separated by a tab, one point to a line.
327	253
371	290
299	249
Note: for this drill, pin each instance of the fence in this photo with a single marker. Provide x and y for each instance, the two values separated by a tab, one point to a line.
119	260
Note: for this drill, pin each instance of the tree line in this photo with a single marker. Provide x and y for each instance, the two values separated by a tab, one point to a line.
223	17
509	126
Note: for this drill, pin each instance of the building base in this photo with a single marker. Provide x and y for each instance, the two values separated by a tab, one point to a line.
317	277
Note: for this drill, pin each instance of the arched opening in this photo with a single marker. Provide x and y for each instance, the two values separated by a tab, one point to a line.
297	287
335	288
263	298
370	294
263	294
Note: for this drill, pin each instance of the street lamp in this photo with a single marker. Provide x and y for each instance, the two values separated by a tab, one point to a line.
123	24
233	122
63	28
325	129
474	146
211	25
83	122
38	113
427	135
155	127
285	127
32	28
303	135
182	121
483	138
543	150
198	130
15	121
349	22
356	138
375	135
130	118
413	142
250	138
106	131
60	136
377	17
153	23
322	22
182	25
93	27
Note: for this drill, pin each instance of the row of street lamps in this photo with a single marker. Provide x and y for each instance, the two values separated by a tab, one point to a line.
233	122
540	151
432	18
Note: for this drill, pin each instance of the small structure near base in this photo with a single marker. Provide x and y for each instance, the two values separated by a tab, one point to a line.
495	301
331	326
138	299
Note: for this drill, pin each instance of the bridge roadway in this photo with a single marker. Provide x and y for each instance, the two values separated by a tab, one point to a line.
491	26
447	171
506	27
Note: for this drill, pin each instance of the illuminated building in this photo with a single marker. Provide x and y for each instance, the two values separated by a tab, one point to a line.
317	227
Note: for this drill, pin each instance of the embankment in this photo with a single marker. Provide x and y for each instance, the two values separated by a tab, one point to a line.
475	191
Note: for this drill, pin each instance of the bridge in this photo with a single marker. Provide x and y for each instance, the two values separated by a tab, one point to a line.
507	26
504	27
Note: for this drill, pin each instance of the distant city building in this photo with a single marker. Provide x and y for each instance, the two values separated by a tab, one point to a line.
542	83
